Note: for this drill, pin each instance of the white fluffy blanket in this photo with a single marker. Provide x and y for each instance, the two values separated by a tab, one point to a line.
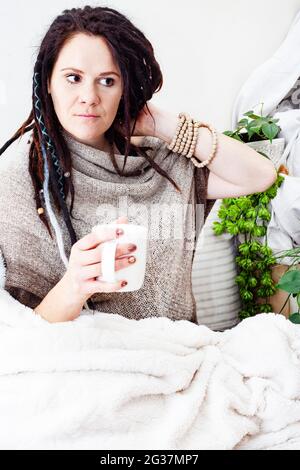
106	382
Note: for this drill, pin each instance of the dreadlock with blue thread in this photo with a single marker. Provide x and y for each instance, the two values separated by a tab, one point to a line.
59	183
49	162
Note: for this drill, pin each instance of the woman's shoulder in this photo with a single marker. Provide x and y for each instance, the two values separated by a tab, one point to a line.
14	163
17	201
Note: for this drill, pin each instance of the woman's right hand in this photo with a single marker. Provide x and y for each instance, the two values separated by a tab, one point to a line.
65	300
85	263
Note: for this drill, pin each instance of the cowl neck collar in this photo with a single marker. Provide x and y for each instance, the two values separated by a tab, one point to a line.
90	158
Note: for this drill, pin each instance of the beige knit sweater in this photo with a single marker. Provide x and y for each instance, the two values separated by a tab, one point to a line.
32	259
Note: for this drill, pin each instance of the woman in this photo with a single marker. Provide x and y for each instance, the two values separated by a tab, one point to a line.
96	139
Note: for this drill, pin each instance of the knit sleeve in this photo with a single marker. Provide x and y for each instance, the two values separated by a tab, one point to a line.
21	234
26	298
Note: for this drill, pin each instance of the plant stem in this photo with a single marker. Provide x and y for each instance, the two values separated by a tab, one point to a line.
285	303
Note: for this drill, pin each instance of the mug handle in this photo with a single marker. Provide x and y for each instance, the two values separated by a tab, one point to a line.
108	262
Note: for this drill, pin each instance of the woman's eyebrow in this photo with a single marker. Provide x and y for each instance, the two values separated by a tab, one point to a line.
80	71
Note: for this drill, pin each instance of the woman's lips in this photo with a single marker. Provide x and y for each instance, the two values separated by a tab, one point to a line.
88	117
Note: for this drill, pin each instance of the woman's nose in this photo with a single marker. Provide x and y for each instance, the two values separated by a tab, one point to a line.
89	95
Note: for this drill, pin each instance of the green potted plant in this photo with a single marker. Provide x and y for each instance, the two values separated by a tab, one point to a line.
260	132
246	218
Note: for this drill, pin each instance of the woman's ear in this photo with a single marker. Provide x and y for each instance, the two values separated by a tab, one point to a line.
48	86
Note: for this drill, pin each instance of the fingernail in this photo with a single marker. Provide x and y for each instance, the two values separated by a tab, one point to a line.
132	248
119	232
131	259
123	283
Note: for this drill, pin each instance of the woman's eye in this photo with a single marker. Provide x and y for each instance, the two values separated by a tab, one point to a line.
108	78
77	76
68	76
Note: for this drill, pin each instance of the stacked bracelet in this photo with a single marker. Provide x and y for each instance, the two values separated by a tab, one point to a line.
185	139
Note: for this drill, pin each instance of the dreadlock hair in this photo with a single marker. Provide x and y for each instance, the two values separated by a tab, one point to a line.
50	165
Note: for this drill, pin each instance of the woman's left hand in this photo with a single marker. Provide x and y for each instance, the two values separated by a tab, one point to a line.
145	125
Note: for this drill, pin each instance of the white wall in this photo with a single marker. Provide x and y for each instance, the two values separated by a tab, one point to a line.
206	49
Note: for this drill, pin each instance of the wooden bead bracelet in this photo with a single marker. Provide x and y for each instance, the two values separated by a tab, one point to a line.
185	139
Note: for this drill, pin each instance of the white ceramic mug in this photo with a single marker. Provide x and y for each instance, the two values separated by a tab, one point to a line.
134	274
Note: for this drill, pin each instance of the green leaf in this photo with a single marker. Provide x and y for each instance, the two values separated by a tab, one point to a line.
251	213
229	133
271	260
256	123
251	115
244	314
270	291
231	228
264	214
244	248
270	131
246	294
295	317
259	231
252	282
266	250
240	280
290	282
237	137
271	192
249	225
264	308
253	131
264	199
261	292
218	228
241	226
222	213
255	246
243	122
243	203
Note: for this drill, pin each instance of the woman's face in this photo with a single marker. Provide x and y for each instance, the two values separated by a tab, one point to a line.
95	87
